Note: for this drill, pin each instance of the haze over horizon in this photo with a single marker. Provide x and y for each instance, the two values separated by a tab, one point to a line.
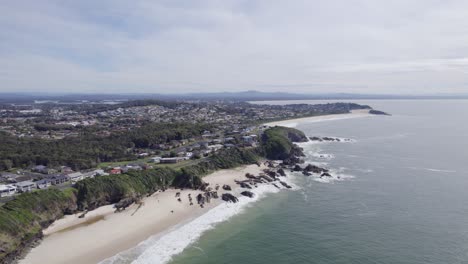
373	47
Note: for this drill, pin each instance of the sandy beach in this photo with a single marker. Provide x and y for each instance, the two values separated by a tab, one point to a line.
312	119
103	233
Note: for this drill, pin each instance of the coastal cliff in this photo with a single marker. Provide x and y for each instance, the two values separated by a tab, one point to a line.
22	219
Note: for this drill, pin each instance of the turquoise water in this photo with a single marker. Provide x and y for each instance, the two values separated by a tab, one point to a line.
407	202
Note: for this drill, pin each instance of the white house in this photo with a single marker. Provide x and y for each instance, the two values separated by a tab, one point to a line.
99	172
25	186
7	190
215	147
76	176
155	159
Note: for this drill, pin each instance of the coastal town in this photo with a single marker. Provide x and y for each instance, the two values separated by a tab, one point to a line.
232	125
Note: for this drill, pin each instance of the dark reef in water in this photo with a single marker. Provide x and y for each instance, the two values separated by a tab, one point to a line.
377	112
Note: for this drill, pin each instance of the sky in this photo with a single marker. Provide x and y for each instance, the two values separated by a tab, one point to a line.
172	46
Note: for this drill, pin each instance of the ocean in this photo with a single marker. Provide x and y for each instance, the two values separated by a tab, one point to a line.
401	197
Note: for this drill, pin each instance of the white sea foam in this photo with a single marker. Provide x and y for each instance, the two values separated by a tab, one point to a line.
334	177
319	155
433	170
161	248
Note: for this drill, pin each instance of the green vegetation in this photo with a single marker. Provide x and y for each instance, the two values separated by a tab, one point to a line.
102	190
88	150
22	219
277	142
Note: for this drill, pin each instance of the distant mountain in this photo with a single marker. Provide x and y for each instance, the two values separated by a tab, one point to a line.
232	96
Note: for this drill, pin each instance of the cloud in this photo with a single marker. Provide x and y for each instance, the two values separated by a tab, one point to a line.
184	46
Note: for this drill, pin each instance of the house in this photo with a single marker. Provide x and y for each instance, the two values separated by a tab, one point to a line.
247	139
76	176
25	186
7	190
229	139
99	172
155	159
128	167
40	169
66	169
11	177
217	141
215	147
172	160
115	170
59	179
43	184
89	174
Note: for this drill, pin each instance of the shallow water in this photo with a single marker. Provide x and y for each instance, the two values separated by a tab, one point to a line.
401	197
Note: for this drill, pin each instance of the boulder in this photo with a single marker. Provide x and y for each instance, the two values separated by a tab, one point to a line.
314	169
226	187
285	184
281	172
250	176
245	185
297	168
200	199
229	198
268	179
248	194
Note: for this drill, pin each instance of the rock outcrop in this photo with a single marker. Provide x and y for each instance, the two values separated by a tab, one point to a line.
229	198
248	194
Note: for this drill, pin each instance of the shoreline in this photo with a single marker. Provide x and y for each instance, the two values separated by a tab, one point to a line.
100	235
312	119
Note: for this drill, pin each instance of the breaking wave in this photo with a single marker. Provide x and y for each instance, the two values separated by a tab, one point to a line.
161	248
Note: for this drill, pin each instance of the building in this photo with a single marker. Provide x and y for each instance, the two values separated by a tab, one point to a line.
247	139
99	172
6	176
25	186
155	159
44	183
7	190
172	160
66	169
128	167
115	170
41	169
76	176
59	179
215	147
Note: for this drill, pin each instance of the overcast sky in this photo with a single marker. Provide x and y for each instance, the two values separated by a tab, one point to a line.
361	46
